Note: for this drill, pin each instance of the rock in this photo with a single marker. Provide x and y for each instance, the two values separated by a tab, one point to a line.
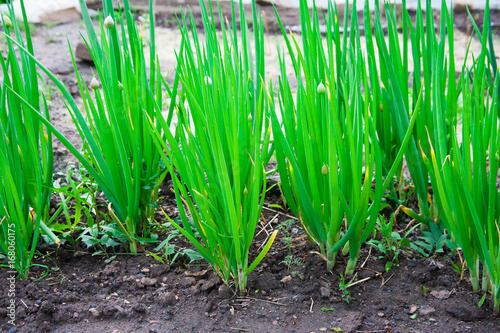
60	16
224	292
426	310
413	309
82	52
442	294
35	9
380	314
95	312
286	279
157	270
325	292
460	6
148	281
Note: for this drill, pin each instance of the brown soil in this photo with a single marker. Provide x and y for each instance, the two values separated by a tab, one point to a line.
84	293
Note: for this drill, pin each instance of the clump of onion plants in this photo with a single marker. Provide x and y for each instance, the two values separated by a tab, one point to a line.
464	172
328	152
408	69
26	158
119	101
224	142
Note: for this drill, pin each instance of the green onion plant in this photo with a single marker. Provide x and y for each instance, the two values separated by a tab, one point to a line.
325	144
119	102
407	69
26	158
224	141
464	164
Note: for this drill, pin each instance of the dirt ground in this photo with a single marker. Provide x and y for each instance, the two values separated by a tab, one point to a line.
84	293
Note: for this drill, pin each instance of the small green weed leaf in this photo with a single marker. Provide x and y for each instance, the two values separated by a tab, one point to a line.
327	309
481	301
110	259
156	257
192	254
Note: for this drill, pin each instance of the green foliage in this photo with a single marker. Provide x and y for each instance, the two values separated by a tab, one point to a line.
321	142
327	309
289	260
326	143
432	241
392	243
26	158
171	252
345	294
123	159
224	142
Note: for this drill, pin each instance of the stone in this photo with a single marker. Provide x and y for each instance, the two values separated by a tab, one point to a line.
60	16
286	279
95	312
83	53
442	294
157	270
148	281
460	6
426	310
325	292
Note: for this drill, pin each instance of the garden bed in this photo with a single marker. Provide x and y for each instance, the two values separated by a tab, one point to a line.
86	293
117	292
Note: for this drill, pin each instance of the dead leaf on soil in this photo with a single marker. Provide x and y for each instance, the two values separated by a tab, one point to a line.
200	273
441	294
